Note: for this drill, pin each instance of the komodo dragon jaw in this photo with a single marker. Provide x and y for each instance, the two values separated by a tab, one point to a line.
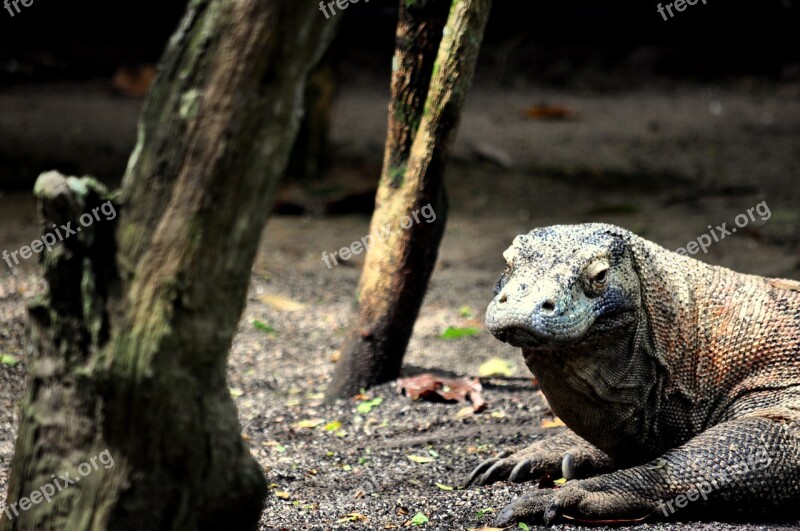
558	292
677	380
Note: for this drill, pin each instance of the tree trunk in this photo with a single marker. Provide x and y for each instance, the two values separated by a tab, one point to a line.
129	343
427	99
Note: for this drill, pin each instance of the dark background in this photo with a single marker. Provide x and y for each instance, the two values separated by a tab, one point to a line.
553	42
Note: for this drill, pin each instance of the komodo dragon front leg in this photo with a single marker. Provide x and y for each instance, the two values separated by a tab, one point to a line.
748	463
544	457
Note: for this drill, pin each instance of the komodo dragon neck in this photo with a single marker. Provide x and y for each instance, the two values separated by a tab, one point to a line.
608	394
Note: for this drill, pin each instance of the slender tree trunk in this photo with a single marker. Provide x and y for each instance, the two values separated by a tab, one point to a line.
427	100
129	343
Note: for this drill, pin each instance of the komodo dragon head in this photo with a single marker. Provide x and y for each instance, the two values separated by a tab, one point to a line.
566	286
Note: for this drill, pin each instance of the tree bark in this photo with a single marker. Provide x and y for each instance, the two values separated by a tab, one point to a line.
427	100
128	346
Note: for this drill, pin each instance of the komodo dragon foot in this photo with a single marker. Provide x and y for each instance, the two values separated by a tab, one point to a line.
749	466
544	457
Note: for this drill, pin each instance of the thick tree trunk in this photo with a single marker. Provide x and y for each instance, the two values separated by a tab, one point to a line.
129	344
427	99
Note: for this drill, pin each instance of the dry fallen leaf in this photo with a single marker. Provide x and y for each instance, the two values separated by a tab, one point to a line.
420	458
309	423
549	112
546	482
134	81
552	423
281	303
352	517
431	387
282	495
496	367
465	412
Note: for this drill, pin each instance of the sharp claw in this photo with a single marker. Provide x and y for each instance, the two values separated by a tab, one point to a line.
521	472
551	514
568	466
493	474
480	469
504	454
505	517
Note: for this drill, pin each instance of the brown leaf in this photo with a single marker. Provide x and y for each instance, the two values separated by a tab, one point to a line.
549	112
134	81
434	388
546	482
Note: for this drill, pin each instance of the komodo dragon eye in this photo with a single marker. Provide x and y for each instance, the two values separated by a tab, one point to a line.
597	273
503	280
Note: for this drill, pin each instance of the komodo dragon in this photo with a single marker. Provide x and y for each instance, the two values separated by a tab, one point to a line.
679	381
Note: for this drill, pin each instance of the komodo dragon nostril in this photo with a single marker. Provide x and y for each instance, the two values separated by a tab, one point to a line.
548	306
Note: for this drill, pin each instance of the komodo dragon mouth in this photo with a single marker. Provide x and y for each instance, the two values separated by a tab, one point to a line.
535	337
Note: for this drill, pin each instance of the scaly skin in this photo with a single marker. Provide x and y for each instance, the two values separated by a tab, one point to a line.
677	378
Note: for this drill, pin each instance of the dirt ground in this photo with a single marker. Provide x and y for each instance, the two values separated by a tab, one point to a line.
664	162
